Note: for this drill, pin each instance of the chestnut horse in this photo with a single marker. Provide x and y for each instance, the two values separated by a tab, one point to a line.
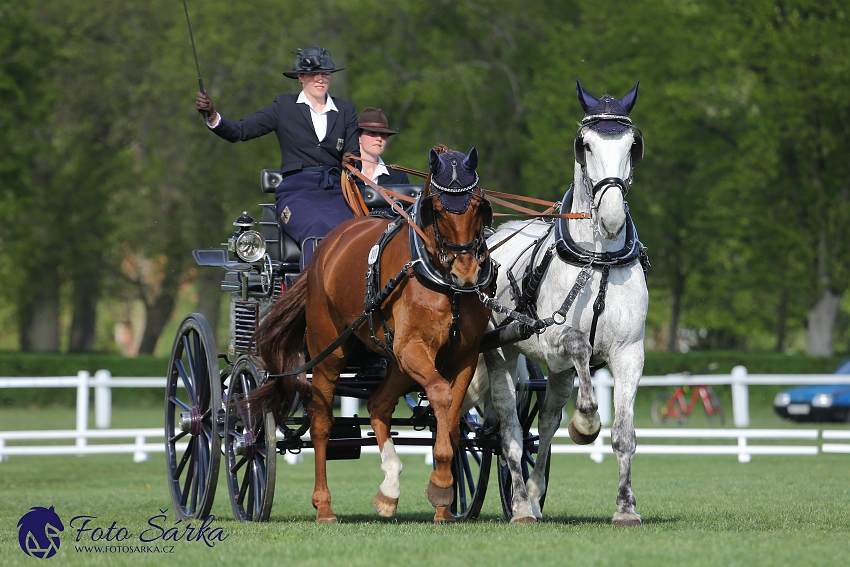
434	314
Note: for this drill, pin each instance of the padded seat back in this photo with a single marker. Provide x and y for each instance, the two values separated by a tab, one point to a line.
280	245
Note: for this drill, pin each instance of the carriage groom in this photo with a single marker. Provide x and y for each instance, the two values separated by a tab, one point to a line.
314	132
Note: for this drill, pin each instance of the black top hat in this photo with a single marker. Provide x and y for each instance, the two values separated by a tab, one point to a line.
374	120
312	60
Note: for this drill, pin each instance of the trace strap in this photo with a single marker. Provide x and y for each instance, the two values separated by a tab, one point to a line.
583	278
492	304
377	301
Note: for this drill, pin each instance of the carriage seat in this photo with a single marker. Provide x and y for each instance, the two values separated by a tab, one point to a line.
281	247
271	178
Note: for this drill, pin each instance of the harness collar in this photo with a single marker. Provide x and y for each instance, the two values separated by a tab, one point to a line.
427	273
572	253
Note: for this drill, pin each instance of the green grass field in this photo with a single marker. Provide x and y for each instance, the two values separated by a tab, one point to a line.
697	510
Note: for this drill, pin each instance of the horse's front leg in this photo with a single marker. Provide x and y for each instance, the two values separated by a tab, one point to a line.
585	424
627	367
381	406
416	360
503	397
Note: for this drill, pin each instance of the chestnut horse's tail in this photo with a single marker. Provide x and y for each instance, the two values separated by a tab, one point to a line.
280	344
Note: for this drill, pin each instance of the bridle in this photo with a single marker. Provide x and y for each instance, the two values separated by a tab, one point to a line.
579	148
447	250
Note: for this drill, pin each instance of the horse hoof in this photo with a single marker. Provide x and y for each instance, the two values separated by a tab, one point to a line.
442	515
439	496
326	519
579	437
384	505
623	520
523	520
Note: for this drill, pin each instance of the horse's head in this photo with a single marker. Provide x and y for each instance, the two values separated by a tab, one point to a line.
456	210
606	150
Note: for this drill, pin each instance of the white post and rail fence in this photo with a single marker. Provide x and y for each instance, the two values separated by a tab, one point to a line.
142	442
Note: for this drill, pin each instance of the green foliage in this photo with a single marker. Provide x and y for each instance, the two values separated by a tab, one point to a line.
108	177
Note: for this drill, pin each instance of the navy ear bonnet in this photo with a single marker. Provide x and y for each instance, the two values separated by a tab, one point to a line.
453	178
607	115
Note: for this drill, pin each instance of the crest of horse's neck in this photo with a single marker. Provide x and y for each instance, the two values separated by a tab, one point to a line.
582	230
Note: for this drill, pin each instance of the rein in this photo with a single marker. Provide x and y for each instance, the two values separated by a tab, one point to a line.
388	198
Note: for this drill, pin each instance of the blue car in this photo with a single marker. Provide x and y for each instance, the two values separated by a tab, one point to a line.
816	403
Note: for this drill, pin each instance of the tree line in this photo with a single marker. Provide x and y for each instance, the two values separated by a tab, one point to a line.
108	177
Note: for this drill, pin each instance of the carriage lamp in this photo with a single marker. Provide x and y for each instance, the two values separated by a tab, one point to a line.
782	399
248	244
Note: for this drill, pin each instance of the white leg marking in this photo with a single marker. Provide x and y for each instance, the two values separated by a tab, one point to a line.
391	467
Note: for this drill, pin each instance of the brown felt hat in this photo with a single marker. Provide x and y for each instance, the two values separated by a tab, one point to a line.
374	120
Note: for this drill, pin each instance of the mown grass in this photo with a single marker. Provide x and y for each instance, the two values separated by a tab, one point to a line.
697	510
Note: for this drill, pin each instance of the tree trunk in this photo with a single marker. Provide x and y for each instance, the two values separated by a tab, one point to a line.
676	311
84	321
38	319
159	310
782	318
821	323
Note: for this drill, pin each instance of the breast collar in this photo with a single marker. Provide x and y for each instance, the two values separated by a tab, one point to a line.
428	274
572	253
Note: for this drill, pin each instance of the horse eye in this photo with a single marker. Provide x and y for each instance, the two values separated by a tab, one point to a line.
587	147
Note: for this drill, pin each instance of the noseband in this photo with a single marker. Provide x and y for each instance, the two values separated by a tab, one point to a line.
449	251
593	189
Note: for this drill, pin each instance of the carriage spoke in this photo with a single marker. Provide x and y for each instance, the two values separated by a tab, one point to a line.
243	488
246	387
190	389
190	473
257	488
235	468
461	480
185	459
178	402
178	437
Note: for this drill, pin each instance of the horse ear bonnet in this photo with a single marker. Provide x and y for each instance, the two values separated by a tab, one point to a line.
453	178
607	115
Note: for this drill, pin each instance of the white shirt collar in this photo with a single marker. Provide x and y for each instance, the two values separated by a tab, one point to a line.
380	169
329	105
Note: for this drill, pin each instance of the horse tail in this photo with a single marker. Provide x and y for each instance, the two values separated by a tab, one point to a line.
280	344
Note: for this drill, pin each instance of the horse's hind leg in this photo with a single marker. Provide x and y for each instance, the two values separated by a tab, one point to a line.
585	424
627	368
559	388
503	396
381	406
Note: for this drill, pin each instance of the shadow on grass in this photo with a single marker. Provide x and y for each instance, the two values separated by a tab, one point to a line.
424	518
599	520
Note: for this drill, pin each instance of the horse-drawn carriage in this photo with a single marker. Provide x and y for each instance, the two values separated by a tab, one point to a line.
567	265
261	262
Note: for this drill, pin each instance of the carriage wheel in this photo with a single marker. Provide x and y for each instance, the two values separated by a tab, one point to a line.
191	417
250	447
470	470
527	409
